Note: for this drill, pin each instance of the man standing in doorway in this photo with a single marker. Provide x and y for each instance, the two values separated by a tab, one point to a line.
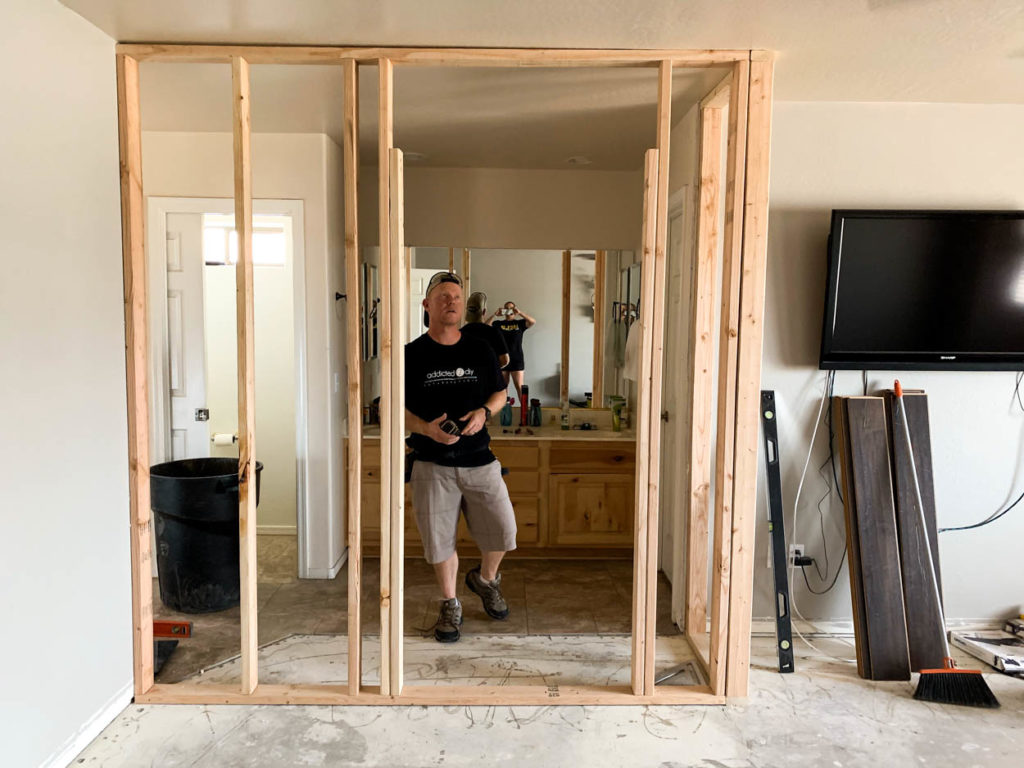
452	385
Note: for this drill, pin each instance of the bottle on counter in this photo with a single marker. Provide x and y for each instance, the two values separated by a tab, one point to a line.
590	399
534	418
523	405
506	413
565	415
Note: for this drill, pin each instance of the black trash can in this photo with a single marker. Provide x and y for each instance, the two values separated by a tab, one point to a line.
195	511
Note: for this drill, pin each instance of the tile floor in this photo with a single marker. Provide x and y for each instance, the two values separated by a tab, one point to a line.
590	597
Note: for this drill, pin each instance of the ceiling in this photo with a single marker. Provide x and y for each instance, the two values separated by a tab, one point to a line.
969	51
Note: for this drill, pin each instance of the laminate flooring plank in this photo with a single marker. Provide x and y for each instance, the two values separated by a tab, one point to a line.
879	548
924	621
860	633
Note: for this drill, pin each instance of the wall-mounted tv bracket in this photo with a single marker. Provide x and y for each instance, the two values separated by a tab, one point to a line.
776	528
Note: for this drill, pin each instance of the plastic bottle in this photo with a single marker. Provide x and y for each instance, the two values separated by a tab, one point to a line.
565	415
534	419
506	413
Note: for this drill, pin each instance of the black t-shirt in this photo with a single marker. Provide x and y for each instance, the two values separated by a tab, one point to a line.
453	379
488	333
512	331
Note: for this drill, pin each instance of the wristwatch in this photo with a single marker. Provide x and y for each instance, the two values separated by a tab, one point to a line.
487	411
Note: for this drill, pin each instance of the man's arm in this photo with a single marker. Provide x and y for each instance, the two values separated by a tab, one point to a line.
431	429
477	418
530	322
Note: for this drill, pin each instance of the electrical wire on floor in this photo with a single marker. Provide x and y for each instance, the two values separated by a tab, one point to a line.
825	395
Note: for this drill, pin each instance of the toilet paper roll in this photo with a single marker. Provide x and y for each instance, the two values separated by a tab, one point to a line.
223	438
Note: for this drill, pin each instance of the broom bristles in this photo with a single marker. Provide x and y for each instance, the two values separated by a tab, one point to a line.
965	687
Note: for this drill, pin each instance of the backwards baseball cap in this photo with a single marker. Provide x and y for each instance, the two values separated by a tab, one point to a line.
442	277
475	306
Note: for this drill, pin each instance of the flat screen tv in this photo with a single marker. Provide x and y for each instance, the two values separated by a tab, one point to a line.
925	290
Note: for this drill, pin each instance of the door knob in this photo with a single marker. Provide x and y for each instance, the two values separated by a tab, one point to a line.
664	416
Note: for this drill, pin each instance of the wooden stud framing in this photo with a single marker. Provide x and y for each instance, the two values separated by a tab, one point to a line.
396	371
246	372
748	373
749	84
655	336
466	264
563	377
133	244
354	363
451	258
597	386
702	350
724	449
388	429
641	540
446	57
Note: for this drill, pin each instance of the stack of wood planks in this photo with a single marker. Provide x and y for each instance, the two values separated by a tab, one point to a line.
896	620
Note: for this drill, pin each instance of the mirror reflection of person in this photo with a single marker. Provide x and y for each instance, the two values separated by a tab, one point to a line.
475	327
452	385
513	322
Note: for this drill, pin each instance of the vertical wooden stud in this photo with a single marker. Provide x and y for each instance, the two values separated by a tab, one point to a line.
246	372
702	351
656	338
399	305
451	258
748	372
643	429
387	361
466	264
563	380
728	332
354	363
133	218
597	386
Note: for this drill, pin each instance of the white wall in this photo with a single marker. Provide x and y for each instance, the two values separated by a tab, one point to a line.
834	155
64	546
285	166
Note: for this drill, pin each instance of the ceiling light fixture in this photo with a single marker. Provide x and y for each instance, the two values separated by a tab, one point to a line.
579	160
414	156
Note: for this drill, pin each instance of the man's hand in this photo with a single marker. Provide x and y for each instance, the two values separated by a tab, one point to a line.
475	421
438	435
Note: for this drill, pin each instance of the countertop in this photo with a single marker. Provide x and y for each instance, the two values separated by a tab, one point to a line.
539	433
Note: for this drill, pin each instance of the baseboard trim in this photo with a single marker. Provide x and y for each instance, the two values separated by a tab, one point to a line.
844	627
276	530
328	573
91	729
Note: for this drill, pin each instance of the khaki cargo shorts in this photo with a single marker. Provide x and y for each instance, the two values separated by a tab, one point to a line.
437	494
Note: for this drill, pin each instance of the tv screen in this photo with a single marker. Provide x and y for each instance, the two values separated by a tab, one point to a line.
925	290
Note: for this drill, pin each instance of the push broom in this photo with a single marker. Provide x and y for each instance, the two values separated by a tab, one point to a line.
949	685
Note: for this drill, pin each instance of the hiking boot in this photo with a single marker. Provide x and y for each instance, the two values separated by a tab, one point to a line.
490	593
446	630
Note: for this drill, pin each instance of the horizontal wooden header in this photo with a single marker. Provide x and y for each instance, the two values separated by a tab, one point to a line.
452	57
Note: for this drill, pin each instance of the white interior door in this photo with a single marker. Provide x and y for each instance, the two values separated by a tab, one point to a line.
673	402
186	346
418	280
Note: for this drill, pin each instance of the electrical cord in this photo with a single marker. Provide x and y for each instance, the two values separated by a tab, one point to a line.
796	506
996	515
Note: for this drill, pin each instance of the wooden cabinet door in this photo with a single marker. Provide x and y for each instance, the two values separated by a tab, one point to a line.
591	509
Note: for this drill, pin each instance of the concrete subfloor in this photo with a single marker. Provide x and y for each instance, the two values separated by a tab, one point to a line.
590	597
821	715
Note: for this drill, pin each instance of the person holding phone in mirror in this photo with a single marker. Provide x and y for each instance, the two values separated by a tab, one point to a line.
452	385
513	323
476	311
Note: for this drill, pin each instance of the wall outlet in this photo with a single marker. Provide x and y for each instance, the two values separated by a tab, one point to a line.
795	551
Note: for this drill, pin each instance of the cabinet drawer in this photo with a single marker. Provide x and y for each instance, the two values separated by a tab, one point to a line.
522	481
526	456
581	457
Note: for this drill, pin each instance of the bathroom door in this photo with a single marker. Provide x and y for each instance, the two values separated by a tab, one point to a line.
186	344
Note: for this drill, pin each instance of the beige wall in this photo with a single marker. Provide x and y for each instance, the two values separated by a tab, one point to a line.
285	166
506	208
64	550
828	155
